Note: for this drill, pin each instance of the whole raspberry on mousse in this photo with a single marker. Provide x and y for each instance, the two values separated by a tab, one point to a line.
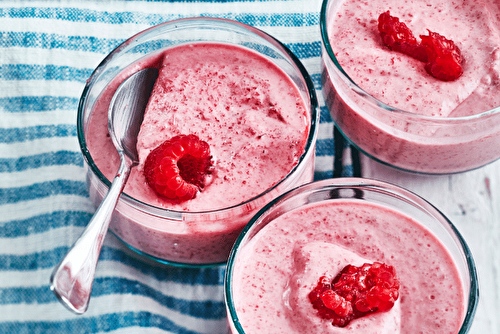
398	37
444	57
178	168
355	292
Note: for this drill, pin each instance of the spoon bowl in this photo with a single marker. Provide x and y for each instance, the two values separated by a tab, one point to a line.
71	281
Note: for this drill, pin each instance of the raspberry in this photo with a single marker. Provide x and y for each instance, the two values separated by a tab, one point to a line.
355	292
398	37
178	167
442	57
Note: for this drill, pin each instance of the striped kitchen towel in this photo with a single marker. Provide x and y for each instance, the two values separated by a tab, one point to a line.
47	51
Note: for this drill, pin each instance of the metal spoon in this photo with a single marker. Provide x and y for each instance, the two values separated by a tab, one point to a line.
71	281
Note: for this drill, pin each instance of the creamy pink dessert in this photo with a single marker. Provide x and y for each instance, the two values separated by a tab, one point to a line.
416	139
256	123
276	270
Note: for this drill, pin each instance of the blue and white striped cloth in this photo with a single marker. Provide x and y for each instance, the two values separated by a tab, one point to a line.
47	51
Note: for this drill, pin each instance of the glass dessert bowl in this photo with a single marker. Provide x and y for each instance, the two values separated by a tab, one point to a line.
177	233
386	104
316	229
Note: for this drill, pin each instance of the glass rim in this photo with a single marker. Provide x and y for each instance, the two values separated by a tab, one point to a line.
188	23
366	184
325	40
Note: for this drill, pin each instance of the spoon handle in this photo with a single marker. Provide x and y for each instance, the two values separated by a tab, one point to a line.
71	281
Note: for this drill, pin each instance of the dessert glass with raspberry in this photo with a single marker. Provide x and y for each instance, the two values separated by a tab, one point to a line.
350	255
231	124
413	84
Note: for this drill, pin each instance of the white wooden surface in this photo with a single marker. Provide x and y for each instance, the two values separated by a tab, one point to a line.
471	200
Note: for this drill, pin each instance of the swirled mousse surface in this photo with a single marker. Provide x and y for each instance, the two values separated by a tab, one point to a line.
240	103
276	270
401	81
